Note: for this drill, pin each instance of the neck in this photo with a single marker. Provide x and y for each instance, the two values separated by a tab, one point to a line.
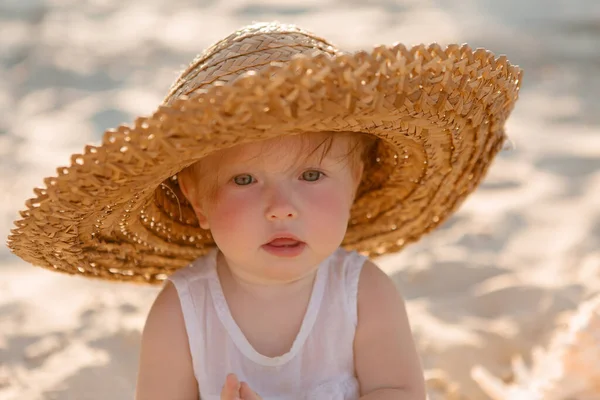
262	288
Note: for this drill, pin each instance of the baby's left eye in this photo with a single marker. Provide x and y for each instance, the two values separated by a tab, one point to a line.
311	175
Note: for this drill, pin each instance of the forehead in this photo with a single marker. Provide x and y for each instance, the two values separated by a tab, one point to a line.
284	150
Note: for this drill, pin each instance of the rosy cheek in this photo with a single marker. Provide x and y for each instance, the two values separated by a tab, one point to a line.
330	205
230	208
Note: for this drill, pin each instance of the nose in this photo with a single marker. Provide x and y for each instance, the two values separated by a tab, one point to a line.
280	207
280	213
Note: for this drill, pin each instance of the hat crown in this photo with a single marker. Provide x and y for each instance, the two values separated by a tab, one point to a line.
250	48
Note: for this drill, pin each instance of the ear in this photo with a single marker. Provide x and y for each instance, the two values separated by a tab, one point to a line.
357	177
202	220
188	189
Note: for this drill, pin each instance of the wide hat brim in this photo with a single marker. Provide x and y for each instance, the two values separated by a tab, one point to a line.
116	212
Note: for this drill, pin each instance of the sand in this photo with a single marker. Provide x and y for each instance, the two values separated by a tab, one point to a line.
492	282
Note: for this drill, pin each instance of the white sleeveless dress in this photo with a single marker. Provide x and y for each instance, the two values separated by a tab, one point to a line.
320	364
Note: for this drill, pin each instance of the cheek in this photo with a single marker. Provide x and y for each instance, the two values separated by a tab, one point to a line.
230	215
330	208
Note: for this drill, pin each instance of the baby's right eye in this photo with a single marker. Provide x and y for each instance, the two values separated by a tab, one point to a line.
243	180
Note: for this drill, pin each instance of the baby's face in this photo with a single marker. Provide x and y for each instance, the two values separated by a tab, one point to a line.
263	191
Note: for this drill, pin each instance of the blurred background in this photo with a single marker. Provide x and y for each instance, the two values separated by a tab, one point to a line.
492	282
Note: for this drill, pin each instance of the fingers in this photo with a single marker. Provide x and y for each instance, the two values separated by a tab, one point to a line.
234	390
231	388
248	394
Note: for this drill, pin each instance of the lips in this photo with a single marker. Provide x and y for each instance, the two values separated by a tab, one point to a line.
284	246
284	242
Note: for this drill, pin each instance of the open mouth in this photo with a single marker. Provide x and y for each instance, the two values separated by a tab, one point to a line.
284	242
285	247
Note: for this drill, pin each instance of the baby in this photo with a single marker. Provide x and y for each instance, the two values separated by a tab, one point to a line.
300	317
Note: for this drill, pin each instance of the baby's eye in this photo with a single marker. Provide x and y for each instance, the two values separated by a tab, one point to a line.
243	180
311	175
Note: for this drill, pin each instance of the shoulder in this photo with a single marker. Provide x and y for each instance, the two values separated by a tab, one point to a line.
386	358
165	318
165	321
376	288
166	304
165	360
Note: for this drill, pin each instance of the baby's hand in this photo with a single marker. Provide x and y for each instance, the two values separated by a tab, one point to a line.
234	390
248	394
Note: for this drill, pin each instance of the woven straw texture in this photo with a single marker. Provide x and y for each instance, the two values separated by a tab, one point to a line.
117	212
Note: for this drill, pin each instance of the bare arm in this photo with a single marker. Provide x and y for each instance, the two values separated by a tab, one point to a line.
386	359
165	370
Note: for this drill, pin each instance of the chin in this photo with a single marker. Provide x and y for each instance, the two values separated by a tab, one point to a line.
290	267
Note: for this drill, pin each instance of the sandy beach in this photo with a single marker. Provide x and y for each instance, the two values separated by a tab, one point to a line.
497	279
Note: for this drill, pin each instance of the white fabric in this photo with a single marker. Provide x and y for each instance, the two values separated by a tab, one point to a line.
320	364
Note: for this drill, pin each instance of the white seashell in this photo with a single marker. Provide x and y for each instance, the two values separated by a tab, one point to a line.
568	370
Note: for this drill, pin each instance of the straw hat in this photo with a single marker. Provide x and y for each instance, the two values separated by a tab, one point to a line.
117	212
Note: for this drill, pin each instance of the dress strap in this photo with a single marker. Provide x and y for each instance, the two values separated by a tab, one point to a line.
352	267
185	281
